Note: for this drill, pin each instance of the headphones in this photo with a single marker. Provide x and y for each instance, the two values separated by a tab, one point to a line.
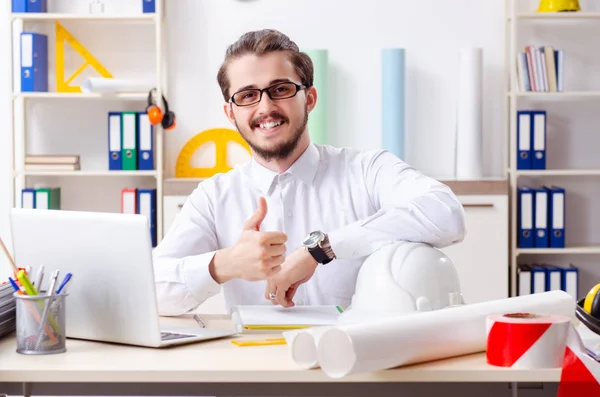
155	114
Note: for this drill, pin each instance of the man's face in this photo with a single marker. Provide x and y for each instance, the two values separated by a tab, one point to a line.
272	128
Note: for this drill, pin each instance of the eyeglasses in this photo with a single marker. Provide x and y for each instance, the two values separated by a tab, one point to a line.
276	92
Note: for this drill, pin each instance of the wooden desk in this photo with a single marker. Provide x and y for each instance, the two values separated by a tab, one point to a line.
220	368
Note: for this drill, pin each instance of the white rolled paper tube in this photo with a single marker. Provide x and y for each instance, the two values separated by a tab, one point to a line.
303	345
112	85
469	123
419	337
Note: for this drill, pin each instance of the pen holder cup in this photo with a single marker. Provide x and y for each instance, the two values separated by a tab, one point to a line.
40	324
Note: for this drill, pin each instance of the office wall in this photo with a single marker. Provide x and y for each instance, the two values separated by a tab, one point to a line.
354	32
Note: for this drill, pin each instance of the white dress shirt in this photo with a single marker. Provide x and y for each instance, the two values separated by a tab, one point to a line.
362	199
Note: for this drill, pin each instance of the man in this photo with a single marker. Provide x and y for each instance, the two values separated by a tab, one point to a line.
294	224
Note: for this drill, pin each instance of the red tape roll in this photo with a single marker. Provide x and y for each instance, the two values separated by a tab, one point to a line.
525	340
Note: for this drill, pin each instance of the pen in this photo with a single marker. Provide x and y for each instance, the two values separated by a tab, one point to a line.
24	280
15	286
263	342
40	276
33	311
64	283
53	279
46	308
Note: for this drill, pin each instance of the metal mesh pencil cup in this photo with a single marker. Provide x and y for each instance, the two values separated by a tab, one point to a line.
40	323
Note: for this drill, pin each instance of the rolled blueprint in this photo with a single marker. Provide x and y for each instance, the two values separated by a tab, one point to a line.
392	101
303	345
318	118
420	337
469	115
112	85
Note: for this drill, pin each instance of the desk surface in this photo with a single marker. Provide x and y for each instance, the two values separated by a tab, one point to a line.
221	361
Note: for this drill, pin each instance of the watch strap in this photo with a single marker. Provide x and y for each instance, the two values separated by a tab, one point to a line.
322	253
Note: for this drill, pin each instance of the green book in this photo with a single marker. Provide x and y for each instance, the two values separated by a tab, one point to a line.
129	132
47	198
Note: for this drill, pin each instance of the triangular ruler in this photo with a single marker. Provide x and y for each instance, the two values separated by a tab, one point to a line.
62	36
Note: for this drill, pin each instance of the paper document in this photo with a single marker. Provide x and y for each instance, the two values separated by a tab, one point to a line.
271	317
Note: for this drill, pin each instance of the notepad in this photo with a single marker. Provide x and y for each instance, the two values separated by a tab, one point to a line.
271	317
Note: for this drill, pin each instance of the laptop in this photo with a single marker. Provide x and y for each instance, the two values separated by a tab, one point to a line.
112	295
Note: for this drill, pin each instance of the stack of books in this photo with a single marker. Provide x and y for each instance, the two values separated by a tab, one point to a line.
52	163
8	311
541	69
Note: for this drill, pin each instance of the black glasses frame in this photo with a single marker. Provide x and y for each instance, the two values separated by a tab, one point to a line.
266	89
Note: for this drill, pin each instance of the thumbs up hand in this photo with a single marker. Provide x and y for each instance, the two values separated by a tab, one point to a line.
256	255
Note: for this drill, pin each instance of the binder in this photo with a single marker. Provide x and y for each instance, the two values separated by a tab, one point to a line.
538	139
148	6
47	198
523	140
129	204
525	216
37	6
541	218
129	140
538	279
145	142
114	141
524	280
147	206
34	62
19	5
556	216
553	278
28	198
570	281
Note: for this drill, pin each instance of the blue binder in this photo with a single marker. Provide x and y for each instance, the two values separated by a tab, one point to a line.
541	218
34	62
538	279
524	140
19	5
525	216
28	198
37	6
145	142
556	217
570	281
146	199
148	6
553	278
538	139
114	141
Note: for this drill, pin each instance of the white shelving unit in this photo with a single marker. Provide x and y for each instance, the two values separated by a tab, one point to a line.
19	23
513	18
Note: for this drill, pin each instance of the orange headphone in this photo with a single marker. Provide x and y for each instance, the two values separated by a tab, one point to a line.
155	115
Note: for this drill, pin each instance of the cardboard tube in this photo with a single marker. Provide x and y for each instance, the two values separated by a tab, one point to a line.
392	102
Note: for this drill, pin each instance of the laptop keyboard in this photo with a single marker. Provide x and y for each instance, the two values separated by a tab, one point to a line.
164	335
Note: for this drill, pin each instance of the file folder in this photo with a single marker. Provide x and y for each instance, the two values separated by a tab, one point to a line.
129	203
147	206
525	216
538	279
524	280
37	6
541	218
538	158
148	6
19	5
145	143
28	198
47	198
114	141
570	281
34	62
129	141
553	278
556	216
523	140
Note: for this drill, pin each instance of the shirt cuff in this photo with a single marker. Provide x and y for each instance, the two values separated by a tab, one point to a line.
196	274
353	241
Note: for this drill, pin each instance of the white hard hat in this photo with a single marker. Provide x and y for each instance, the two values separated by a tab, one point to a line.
402	278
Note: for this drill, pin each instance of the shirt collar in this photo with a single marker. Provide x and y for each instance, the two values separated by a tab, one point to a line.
304	168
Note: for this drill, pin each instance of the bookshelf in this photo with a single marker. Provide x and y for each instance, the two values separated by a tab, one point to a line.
87	134
578	98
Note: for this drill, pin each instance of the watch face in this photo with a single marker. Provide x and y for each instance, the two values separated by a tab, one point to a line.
313	239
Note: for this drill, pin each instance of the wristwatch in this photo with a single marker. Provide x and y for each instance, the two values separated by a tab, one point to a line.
317	244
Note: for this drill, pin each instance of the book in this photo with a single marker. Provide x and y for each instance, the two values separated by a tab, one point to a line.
272	317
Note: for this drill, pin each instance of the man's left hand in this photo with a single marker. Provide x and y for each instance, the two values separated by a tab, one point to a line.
297	269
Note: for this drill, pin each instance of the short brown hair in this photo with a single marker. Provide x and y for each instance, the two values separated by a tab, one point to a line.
263	42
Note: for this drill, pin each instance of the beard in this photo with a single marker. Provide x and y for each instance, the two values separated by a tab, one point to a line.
283	149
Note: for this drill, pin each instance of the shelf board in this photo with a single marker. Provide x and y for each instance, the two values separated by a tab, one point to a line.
88	173
557	172
558	15
134	96
149	17
563	94
567	250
